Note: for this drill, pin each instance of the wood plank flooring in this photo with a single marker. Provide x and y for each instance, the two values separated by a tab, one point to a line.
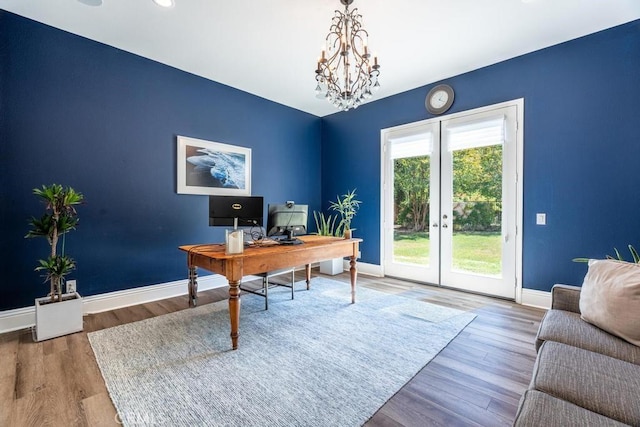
475	381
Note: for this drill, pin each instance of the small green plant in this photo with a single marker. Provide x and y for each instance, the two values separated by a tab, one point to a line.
325	225
347	206
59	218
634	256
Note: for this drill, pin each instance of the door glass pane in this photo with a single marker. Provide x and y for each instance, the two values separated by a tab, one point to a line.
411	210
477	210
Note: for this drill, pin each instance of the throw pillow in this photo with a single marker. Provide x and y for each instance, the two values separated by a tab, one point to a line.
610	298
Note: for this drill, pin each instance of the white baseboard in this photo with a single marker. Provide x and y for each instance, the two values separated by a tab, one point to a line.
20	318
534	298
364	268
128	297
23	318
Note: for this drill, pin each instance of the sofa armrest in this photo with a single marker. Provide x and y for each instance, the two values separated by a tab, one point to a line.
565	297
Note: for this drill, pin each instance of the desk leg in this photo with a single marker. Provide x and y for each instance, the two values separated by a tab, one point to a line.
234	311
307	270
354	276
193	286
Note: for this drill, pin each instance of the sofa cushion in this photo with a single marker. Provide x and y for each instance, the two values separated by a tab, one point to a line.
539	409
567	327
610	298
601	384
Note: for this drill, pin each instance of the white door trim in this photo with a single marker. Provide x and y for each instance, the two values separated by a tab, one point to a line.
407	128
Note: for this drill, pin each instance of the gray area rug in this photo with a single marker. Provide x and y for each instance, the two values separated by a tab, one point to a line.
315	361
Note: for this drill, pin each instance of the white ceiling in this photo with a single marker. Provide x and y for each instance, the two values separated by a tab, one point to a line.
270	47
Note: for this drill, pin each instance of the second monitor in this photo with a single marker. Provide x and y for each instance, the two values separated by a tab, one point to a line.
287	219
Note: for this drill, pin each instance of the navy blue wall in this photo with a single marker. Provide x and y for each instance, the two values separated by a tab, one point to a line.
105	122
581	149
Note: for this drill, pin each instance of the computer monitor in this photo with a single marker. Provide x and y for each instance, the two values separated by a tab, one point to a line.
289	218
248	210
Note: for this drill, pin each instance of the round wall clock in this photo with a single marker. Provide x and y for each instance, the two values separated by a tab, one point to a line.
439	99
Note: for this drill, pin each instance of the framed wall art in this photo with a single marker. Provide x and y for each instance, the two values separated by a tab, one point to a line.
213	168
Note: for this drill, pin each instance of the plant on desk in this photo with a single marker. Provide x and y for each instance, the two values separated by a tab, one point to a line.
325	225
338	224
347	206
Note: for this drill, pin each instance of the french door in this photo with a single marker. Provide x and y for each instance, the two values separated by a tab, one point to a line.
450	198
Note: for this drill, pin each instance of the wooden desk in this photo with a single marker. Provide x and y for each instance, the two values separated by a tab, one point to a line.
255	260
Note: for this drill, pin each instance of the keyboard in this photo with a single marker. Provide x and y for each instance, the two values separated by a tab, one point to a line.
293	241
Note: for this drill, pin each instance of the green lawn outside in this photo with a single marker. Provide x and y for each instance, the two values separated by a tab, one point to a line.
475	252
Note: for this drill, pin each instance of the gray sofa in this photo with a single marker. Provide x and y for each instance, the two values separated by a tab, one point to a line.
583	376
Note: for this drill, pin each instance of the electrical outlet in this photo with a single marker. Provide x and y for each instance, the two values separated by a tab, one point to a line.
541	219
71	286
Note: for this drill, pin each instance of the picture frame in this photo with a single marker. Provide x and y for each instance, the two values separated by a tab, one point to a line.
212	168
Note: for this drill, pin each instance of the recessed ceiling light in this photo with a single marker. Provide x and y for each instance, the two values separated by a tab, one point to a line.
164	3
91	2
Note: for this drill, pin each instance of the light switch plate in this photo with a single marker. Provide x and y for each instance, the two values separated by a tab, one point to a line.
541	219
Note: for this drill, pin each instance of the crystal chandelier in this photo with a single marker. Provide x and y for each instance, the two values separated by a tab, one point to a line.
345	75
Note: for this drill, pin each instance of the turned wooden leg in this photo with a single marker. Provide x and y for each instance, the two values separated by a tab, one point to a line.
193	286
234	311
307	270
354	276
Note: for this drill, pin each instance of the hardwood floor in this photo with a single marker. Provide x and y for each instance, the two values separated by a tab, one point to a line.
476	380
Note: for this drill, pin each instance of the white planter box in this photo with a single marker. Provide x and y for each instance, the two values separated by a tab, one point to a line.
332	266
58	318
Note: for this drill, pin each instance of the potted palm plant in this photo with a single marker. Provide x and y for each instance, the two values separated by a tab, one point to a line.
59	313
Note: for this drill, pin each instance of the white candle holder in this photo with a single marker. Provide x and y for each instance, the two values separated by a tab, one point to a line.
234	242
